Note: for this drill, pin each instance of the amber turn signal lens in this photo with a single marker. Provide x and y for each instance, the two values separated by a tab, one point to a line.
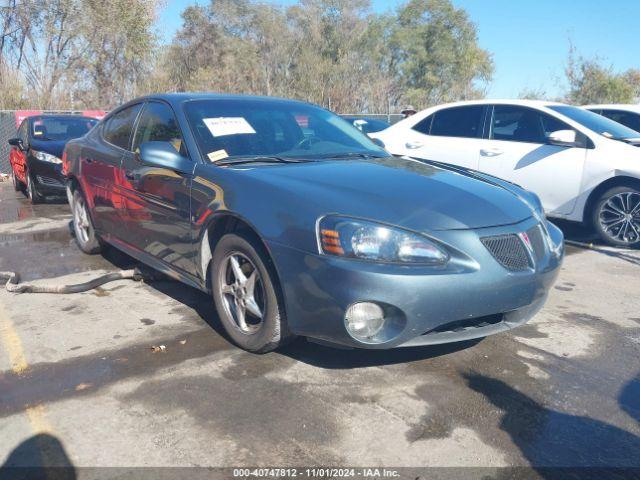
330	240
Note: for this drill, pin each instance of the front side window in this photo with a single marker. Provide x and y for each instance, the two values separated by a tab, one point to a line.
118	128
227	128
458	122
23	132
521	124
158	124
628	119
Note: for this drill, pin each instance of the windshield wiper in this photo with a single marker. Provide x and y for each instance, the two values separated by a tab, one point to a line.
258	159
351	155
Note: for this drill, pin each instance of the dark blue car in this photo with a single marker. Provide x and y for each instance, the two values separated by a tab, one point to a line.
36	153
298	224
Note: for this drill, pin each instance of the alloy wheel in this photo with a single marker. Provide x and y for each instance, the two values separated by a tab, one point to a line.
29	188
81	221
242	292
619	217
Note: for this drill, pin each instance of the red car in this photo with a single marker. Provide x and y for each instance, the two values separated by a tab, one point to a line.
36	153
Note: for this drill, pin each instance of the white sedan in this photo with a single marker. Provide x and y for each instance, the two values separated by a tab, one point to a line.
626	114
583	166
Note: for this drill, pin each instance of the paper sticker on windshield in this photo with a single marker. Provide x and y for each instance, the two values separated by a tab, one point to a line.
217	155
221	126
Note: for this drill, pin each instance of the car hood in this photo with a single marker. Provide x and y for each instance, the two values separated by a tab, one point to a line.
52	147
400	191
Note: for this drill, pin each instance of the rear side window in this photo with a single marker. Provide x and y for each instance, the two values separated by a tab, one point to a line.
424	125
463	122
158	124
628	119
118	128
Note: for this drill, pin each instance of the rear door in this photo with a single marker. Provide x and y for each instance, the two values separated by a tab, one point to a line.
517	150
156	200
450	135
100	167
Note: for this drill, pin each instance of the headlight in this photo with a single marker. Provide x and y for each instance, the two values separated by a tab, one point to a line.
46	157
353	238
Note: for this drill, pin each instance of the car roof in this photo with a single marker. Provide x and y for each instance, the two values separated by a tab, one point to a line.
181	97
526	103
55	116
629	107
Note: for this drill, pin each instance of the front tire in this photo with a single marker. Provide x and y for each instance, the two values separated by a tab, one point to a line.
32	192
616	216
17	184
246	295
83	228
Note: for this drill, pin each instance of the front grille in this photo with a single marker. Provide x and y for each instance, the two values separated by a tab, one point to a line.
49	181
509	251
468	324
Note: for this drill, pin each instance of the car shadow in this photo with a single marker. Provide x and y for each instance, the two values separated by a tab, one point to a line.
579	237
550	438
629	398
40	456
336	358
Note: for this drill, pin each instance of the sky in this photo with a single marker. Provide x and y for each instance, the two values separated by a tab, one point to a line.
529	39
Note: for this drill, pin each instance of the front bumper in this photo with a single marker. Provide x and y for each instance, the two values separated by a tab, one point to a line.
47	177
473	297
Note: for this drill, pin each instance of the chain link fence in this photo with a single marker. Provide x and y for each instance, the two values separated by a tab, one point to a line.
7	130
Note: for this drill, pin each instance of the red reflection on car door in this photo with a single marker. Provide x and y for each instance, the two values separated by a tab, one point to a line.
18	161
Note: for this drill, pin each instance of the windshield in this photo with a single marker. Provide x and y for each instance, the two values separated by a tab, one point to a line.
595	122
60	128
228	128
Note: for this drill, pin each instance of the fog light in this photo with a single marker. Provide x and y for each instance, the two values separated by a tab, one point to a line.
364	320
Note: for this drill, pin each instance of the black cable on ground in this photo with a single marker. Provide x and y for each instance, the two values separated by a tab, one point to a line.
13	282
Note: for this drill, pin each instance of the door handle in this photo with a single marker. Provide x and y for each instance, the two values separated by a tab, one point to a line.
413	145
491	152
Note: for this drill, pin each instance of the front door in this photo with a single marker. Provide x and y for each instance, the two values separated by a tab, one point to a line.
17	157
517	150
156	200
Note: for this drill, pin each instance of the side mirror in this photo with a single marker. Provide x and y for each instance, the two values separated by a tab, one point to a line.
16	142
563	138
164	155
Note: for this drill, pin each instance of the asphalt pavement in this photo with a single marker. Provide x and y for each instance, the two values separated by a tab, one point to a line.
81	386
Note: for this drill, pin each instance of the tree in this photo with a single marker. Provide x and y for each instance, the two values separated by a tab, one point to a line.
592	82
435	50
118	45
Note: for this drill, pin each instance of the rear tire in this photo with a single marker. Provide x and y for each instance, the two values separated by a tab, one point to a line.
83	228
246	294
32	192
616	216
